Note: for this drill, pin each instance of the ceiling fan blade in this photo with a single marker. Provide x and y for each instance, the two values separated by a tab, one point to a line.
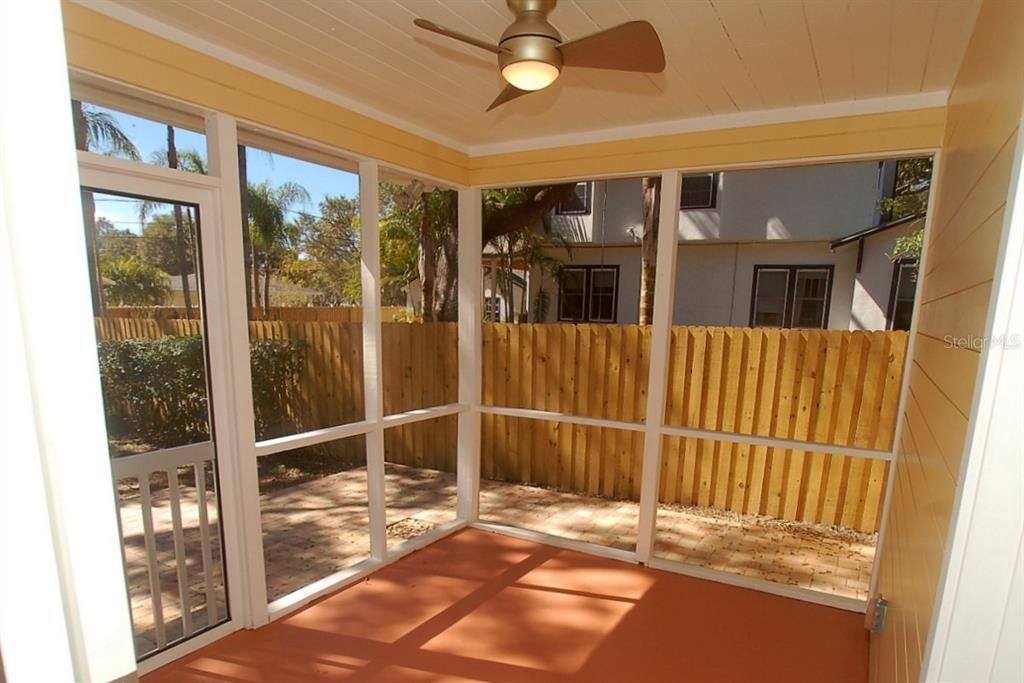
633	46
437	28
510	92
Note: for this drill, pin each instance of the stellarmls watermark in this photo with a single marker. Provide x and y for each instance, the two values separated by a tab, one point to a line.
1009	342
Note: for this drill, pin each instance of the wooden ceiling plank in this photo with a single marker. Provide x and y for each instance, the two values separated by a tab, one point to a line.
743	22
397	42
830	37
911	34
702	29
188	17
676	81
723	56
786	24
870	22
953	23
282	26
684	57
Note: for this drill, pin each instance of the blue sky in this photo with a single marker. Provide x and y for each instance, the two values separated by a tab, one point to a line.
151	136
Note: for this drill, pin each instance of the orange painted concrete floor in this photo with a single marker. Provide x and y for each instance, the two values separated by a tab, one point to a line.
478	606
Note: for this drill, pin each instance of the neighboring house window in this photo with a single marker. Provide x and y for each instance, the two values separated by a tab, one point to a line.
791	296
700	191
588	294
578	205
901	295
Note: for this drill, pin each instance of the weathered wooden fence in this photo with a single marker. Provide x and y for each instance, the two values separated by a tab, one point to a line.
824	386
335	314
420	362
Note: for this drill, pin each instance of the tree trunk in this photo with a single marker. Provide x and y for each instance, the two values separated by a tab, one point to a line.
510	297
446	291
191	225
179	224
495	317
496	223
266	286
243	182
257	302
649	247
427	264
89	215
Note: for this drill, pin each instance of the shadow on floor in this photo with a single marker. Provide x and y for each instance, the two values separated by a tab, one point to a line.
483	607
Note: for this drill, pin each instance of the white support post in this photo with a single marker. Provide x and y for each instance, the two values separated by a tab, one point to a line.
369	217
661	341
231	380
59	414
470	353
33	630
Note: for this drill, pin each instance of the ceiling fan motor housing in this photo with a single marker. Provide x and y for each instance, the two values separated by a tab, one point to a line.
530	37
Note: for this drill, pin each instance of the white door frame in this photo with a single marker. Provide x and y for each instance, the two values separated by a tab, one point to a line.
105	174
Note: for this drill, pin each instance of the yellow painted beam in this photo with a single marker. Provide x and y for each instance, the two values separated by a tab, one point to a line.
805	141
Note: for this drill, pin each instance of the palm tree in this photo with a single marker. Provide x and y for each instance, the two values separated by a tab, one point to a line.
269	228
94	128
187	160
134	283
649	247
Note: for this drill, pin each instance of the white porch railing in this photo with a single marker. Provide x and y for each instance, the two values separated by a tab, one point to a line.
189	512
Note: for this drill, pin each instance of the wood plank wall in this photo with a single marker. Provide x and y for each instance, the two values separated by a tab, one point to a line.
968	220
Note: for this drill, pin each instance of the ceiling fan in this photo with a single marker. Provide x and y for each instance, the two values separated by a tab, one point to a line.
531	53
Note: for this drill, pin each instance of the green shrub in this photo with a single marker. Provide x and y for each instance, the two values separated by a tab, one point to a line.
275	364
155	389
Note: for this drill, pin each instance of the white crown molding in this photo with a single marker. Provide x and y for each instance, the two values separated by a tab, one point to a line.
675	126
718	122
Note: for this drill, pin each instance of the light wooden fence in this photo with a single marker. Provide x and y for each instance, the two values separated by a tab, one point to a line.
828	387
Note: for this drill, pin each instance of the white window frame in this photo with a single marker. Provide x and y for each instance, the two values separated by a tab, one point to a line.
789	306
103	173
824	301
219	197
900	269
588	202
757	289
588	293
712	201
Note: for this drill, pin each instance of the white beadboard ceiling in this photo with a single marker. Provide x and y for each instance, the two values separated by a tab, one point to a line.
732	58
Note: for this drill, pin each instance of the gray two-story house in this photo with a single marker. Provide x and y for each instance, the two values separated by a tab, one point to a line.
787	247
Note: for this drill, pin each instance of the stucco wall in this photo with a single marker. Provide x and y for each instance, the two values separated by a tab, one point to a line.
821	202
714	281
873	285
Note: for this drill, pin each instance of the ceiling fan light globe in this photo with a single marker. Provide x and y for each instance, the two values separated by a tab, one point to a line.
530	74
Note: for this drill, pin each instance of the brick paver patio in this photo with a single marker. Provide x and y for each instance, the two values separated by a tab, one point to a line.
314	529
